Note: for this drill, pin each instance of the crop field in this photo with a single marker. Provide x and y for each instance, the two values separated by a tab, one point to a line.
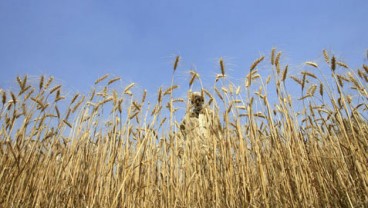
292	138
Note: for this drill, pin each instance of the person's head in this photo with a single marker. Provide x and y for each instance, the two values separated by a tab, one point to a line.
197	99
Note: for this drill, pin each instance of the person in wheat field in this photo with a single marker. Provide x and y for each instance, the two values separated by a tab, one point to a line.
200	126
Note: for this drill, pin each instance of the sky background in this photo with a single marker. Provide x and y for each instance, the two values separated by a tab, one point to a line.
79	41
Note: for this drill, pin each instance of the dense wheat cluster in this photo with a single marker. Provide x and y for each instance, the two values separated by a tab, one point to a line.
255	144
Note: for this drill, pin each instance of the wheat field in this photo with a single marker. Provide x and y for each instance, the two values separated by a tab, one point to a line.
257	144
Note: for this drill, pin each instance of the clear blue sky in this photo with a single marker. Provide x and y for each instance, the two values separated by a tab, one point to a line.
78	41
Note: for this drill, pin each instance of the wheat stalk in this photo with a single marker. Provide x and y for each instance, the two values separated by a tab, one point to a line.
256	62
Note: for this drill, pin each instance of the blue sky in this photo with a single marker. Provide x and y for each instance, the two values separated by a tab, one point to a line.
78	41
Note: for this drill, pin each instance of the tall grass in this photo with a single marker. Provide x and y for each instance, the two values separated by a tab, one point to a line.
256	144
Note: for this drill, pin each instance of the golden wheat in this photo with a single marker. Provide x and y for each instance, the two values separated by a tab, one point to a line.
256	62
248	147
